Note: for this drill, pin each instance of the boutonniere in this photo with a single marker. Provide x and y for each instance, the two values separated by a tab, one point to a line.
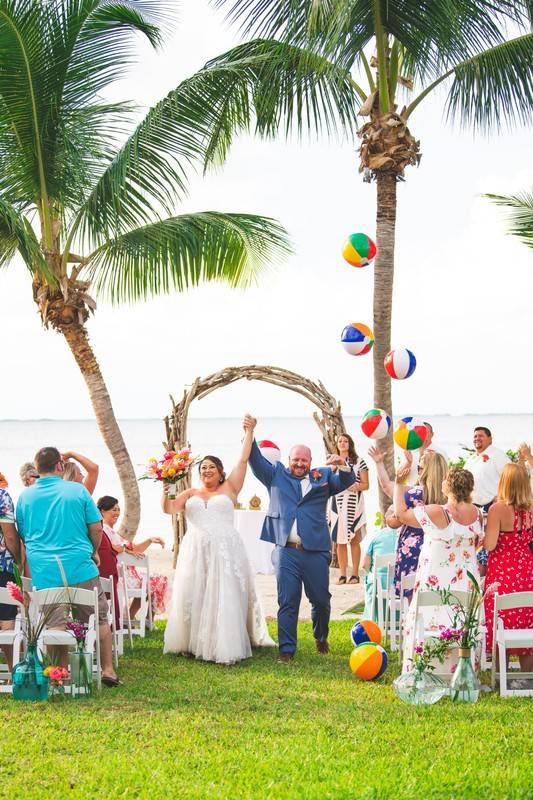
316	474
485	457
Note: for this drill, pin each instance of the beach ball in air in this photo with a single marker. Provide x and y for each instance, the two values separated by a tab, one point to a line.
368	661
410	433
366	630
359	250
376	423
357	339
270	451
400	364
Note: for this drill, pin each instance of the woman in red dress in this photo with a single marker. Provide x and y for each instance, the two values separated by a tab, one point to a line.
508	534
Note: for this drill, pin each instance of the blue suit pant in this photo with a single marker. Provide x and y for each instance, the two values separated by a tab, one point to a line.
295	568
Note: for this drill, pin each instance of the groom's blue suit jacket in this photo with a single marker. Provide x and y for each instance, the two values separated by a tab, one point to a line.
287	503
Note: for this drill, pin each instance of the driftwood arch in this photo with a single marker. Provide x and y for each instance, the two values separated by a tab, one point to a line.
328	417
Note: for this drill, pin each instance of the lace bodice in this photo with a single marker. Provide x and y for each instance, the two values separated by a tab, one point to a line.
207	514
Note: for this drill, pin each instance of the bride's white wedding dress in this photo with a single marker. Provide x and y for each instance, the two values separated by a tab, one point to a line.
215	612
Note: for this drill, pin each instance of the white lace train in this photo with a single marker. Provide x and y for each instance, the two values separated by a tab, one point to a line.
215	613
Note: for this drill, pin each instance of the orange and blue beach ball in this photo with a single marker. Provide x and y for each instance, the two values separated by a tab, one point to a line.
368	661
357	339
366	630
359	250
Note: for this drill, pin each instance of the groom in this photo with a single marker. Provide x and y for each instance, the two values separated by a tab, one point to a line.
296	523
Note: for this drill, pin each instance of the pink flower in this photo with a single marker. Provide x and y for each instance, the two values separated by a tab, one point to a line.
484	457
432	580
15	592
316	474
419	648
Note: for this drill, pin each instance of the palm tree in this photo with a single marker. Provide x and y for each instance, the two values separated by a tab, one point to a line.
318	64
520	207
87	192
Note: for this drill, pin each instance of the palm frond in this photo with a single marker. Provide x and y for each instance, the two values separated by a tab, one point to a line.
17	235
494	87
520	207
184	251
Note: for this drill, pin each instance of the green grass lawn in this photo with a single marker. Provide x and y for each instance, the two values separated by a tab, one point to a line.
185	729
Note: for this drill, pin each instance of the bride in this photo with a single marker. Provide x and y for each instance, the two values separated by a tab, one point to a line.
215	613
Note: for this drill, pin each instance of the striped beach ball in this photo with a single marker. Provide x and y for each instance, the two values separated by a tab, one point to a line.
359	250
357	339
366	630
376	423
400	364
410	433
368	661
270	451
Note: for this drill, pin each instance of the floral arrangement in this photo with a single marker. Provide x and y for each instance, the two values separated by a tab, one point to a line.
79	631
56	676
171	468
434	648
466	618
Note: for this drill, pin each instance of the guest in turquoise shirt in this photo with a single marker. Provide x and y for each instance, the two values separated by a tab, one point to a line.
381	543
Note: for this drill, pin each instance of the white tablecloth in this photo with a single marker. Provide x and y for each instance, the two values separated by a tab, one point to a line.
249	524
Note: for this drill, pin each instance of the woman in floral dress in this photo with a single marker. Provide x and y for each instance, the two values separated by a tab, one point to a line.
432	470
450	536
510	566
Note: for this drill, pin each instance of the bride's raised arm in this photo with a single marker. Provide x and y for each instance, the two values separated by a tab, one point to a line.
238	473
177	504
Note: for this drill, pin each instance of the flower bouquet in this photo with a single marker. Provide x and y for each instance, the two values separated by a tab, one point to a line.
173	467
421	686
56	676
80	662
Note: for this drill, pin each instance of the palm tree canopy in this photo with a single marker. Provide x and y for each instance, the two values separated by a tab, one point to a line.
95	178
520	207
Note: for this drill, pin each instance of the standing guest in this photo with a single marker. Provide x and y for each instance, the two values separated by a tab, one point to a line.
486	465
10	552
508	538
28	474
347	511
451	533
412	458
110	511
383	542
60	524
296	523
432	470
72	471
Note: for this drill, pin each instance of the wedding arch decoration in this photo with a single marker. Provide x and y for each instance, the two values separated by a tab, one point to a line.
328	417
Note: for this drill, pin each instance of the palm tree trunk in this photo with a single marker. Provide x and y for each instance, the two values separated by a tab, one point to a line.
383	285
78	341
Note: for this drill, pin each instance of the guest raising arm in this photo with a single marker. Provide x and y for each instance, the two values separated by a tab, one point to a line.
72	472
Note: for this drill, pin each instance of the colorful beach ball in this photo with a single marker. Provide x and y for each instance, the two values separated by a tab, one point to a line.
357	339
410	433
359	250
270	451
400	364
366	630
368	661
376	423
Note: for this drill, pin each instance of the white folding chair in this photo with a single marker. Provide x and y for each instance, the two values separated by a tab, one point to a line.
124	610
509	638
385	597
107	587
11	638
407	584
67	595
142	565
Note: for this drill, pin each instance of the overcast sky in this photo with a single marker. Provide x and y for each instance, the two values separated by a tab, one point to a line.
463	288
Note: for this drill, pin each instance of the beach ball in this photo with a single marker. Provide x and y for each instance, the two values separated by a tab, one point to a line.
368	661
410	433
270	451
359	250
376	423
366	630
400	364
357	339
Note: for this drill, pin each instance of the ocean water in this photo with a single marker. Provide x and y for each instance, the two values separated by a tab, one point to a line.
19	441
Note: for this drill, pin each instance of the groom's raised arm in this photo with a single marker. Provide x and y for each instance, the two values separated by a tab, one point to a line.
261	466
340	481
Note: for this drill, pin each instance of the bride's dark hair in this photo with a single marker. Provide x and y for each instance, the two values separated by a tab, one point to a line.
218	464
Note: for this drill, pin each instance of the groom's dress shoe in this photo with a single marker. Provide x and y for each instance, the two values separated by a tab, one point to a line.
285	658
322	647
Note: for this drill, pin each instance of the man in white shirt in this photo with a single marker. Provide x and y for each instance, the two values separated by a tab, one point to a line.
485	465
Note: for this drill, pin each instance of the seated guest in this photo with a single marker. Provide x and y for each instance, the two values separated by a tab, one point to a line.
28	473
110	510
450	536
381	543
508	537
72	472
60	525
9	549
108	568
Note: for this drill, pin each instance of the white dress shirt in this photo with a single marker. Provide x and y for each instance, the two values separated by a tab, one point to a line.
486	468
305	485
